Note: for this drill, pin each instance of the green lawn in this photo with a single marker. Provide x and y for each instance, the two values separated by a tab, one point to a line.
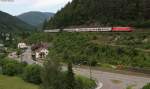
15	83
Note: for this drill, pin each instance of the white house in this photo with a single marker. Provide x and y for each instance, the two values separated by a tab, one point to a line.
41	53
22	45
40	50
1	45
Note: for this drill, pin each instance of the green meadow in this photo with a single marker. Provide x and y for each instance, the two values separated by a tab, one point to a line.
7	82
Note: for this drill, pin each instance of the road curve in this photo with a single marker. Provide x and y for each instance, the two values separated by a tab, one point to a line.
99	85
114	80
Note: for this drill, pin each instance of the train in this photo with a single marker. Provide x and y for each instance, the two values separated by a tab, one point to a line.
96	29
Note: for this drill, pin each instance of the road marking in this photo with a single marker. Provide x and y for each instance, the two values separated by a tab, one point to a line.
99	86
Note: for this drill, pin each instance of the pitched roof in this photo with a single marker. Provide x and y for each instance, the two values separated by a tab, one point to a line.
39	46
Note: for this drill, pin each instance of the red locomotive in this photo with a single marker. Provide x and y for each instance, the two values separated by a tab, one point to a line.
122	29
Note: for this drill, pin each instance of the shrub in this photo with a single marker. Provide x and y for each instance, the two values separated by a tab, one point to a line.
31	74
52	77
146	86
12	67
0	70
18	52
84	83
129	87
3	61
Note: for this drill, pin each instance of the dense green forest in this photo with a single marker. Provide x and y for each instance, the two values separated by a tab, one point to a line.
102	13
126	49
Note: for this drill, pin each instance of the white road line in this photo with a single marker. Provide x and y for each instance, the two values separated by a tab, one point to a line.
99	85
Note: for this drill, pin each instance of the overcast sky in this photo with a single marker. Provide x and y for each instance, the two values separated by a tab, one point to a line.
15	7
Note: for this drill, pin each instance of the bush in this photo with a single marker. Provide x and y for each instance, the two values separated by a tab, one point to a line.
84	83
146	86
0	70
11	67
52	76
31	74
3	61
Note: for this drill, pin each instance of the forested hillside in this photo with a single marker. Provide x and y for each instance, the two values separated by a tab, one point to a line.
102	49
35	18
10	23
103	13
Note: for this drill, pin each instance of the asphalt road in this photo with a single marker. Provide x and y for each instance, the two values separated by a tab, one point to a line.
114	80
27	57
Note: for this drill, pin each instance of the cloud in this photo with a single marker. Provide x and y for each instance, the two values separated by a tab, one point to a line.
45	3
34	3
19	6
15	2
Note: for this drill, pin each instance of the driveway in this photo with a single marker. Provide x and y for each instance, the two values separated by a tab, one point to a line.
27	56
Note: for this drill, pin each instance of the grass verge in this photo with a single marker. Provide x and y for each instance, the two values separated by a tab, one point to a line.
7	82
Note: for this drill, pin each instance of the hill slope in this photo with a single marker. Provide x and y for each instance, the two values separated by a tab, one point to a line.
103	48
10	23
103	13
35	18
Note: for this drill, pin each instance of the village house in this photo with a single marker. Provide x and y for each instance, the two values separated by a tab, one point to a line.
22	45
40	51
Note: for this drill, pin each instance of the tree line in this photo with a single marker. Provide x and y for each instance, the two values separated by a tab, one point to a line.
102	13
